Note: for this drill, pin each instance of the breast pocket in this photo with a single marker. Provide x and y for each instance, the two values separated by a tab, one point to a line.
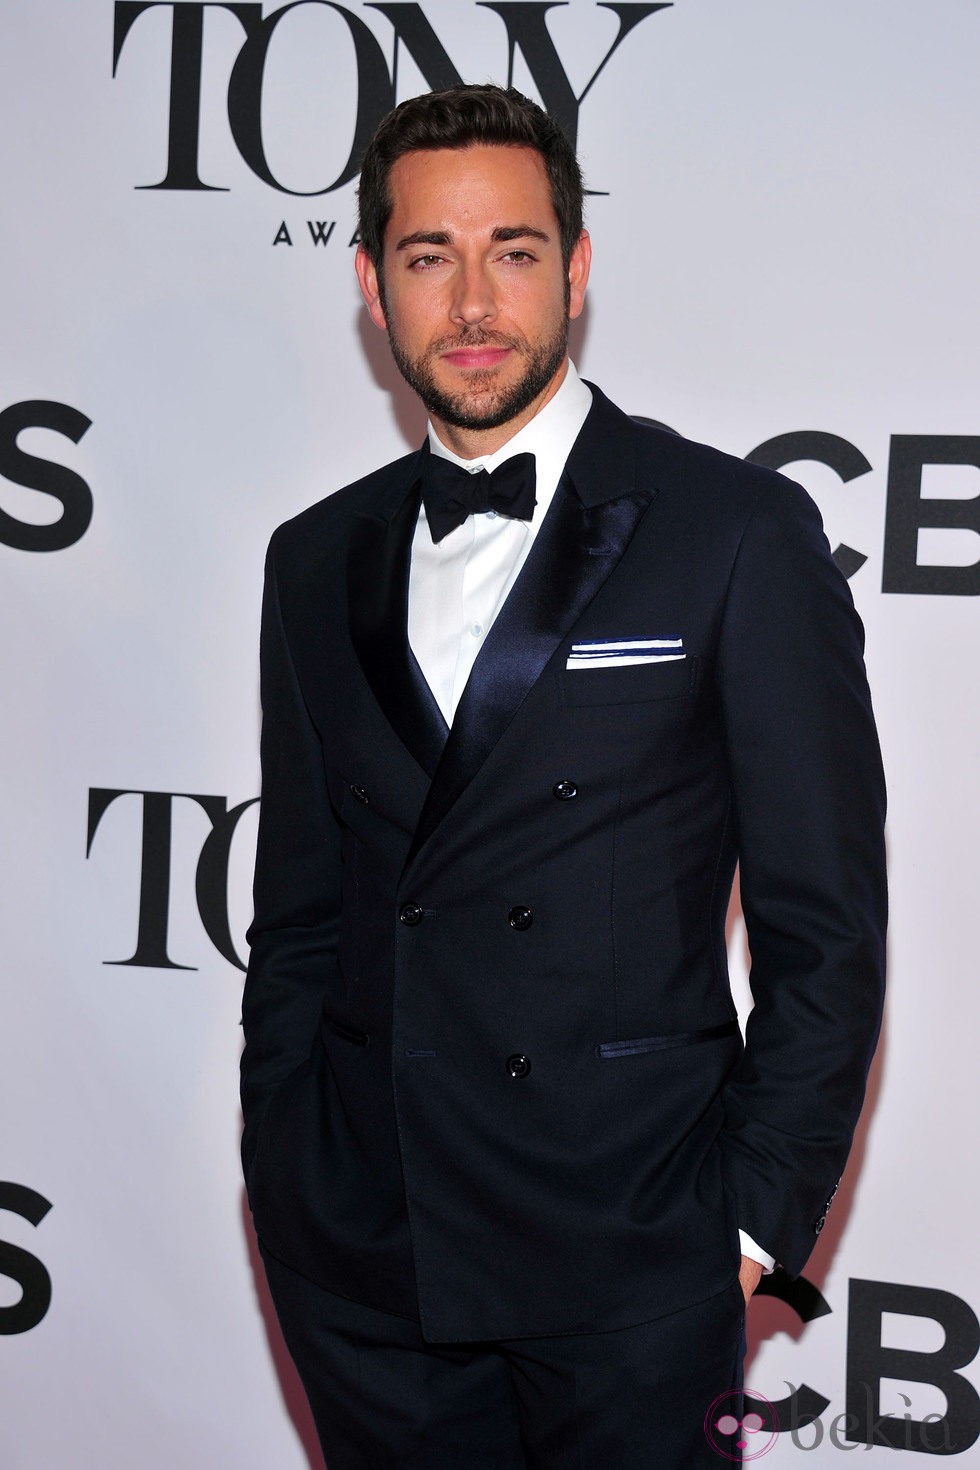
632	684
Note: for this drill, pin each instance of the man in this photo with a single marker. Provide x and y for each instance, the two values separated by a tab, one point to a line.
513	1173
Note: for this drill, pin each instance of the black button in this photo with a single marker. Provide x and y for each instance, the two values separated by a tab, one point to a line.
520	917
411	914
359	793
564	790
819	1224
518	1065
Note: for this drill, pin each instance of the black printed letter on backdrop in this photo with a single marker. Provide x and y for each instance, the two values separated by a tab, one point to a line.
41	474
20	1266
868	1362
527	32
908	511
817	447
211	880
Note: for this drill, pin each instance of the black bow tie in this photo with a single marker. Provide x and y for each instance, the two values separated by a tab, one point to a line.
450	493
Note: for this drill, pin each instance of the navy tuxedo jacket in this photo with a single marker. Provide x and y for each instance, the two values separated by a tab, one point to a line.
492	1077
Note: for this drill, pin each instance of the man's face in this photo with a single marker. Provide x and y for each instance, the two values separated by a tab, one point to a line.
475	299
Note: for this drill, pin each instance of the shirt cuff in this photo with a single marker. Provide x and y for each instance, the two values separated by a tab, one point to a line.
756	1253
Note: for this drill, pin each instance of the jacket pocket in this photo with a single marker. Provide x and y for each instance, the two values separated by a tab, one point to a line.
635	683
642	1044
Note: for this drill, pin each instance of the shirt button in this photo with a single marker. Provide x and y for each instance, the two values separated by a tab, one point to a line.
359	793
491	515
518	1065
476	629
520	917
411	914
564	790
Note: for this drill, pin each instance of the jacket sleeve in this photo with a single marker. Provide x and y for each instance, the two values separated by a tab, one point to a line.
297	888
809	808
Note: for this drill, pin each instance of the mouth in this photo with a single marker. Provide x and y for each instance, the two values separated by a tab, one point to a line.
476	358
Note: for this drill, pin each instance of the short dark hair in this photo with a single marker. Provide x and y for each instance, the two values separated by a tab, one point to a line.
461	117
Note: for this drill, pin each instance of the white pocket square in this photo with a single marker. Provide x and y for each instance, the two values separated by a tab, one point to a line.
619	653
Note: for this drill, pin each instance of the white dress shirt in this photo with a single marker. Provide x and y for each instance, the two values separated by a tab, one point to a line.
458	585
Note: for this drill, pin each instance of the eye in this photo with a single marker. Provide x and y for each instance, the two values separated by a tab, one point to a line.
520	257
425	262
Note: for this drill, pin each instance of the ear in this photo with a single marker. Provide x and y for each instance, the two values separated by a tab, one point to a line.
578	273
367	279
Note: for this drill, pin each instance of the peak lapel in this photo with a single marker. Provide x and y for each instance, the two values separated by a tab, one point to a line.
378	566
592	518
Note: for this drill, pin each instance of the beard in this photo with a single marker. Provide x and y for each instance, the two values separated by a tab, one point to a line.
481	404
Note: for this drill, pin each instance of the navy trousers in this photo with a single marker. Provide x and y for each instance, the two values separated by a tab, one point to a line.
632	1399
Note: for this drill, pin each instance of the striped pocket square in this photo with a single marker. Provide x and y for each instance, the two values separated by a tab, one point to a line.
619	653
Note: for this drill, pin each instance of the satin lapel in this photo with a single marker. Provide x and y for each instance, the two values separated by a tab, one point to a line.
574	552
377	584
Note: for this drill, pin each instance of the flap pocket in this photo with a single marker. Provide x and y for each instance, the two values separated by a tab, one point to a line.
667	679
642	1044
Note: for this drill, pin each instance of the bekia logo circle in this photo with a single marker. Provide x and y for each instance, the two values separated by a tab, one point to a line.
736	1435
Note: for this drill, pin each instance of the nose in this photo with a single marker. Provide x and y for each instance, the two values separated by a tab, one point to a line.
473	299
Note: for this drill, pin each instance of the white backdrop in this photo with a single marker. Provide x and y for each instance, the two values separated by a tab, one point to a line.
786	242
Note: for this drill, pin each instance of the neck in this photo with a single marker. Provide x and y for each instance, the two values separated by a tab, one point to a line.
478	443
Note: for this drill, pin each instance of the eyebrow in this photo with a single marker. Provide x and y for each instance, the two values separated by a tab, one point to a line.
501	234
